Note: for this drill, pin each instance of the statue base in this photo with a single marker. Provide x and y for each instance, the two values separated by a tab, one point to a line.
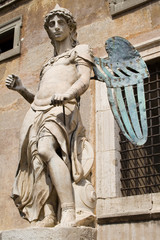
56	233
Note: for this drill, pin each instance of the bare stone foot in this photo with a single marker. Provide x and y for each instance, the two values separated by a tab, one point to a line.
68	217
48	221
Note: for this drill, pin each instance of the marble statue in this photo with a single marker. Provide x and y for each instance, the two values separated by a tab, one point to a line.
52	184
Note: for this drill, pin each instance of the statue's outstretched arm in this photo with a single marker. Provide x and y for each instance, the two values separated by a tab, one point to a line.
13	82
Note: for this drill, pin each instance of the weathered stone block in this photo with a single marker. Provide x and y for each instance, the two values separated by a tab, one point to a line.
57	233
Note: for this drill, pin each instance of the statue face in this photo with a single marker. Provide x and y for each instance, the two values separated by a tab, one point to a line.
58	28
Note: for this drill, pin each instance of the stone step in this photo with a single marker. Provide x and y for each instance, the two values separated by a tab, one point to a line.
56	233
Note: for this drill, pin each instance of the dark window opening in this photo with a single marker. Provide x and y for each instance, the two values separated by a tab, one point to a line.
140	166
2	1
6	41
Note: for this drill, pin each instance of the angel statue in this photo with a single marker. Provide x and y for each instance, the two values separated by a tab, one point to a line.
55	156
52	185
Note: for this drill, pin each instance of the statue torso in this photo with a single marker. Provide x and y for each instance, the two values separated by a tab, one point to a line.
59	74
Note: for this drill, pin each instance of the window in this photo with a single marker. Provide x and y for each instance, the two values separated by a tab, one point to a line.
6	41
5	3
10	38
140	166
2	1
119	6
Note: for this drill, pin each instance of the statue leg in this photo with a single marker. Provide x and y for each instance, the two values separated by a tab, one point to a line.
60	176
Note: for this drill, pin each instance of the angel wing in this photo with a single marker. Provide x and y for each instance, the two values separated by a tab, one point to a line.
123	72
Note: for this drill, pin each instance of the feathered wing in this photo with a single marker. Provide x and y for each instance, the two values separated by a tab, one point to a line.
123	72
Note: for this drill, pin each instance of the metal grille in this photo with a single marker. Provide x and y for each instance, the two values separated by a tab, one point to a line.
140	166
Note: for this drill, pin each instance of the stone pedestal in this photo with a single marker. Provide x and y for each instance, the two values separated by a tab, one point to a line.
57	233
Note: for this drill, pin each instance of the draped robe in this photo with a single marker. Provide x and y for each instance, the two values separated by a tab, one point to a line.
32	185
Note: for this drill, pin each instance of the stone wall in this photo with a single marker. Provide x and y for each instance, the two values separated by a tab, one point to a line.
130	231
95	25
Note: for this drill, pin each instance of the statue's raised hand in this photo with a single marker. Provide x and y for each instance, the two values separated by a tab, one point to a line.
13	82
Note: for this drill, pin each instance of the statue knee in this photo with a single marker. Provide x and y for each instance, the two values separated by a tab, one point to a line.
46	149
43	152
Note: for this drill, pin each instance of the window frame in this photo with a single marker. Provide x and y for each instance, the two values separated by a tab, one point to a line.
7	3
16	24
120	6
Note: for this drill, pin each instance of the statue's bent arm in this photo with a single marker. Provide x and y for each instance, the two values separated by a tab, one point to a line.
77	88
82	84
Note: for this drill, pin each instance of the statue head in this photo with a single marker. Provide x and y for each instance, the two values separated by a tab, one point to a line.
67	15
